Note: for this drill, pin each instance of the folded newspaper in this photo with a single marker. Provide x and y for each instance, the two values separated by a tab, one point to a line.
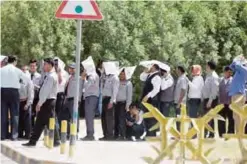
240	59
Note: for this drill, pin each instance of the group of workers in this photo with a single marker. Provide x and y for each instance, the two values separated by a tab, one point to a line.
199	94
32	98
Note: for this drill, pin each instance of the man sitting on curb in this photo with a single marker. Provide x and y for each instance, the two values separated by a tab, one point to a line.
135	125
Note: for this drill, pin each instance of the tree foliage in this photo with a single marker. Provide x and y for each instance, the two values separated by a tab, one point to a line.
28	30
174	32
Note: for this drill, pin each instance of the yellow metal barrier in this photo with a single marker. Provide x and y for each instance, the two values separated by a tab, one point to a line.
184	136
72	139
242	113
51	132
63	136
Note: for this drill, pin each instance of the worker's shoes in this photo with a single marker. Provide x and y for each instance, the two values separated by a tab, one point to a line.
120	138
29	144
107	139
110	139
14	139
103	139
88	138
143	135
32	144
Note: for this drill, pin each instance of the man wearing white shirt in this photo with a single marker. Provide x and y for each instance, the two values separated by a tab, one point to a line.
180	91
46	105
91	87
10	85
195	91
210	92
124	99
167	93
150	93
66	113
36	78
62	80
3	60
26	92
109	87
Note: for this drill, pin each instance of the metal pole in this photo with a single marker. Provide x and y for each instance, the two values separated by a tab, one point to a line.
77	76
77	73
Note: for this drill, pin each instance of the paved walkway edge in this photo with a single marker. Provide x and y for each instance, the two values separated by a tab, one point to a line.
22	159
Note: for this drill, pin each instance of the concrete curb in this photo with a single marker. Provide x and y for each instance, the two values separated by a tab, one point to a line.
22	159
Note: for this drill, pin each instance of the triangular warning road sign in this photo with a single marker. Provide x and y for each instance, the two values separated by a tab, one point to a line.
79	9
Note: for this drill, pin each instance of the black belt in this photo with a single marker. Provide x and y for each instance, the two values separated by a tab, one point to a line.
15	89
70	99
194	99
121	102
50	99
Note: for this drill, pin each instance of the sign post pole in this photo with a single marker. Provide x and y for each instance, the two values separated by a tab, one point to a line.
73	134
79	10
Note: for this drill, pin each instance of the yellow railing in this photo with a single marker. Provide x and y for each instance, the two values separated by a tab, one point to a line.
183	138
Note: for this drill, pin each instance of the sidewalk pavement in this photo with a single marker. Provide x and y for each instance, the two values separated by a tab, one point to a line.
6	160
105	152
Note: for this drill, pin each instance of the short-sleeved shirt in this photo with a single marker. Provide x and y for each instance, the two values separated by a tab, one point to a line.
110	86
181	84
211	86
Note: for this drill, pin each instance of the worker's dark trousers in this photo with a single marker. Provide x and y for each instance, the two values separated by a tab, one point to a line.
59	102
107	118
24	121
120	119
206	110
150	122
66	113
226	112
91	103
47	111
9	100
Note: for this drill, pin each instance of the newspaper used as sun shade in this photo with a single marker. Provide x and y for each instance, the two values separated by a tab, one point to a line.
116	63
61	64
111	68
165	67
89	66
2	57
240	59
129	71
148	64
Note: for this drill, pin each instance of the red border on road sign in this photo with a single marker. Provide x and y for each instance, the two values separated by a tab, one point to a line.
98	15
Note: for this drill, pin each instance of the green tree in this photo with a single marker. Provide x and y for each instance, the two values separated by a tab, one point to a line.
174	32
29	29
